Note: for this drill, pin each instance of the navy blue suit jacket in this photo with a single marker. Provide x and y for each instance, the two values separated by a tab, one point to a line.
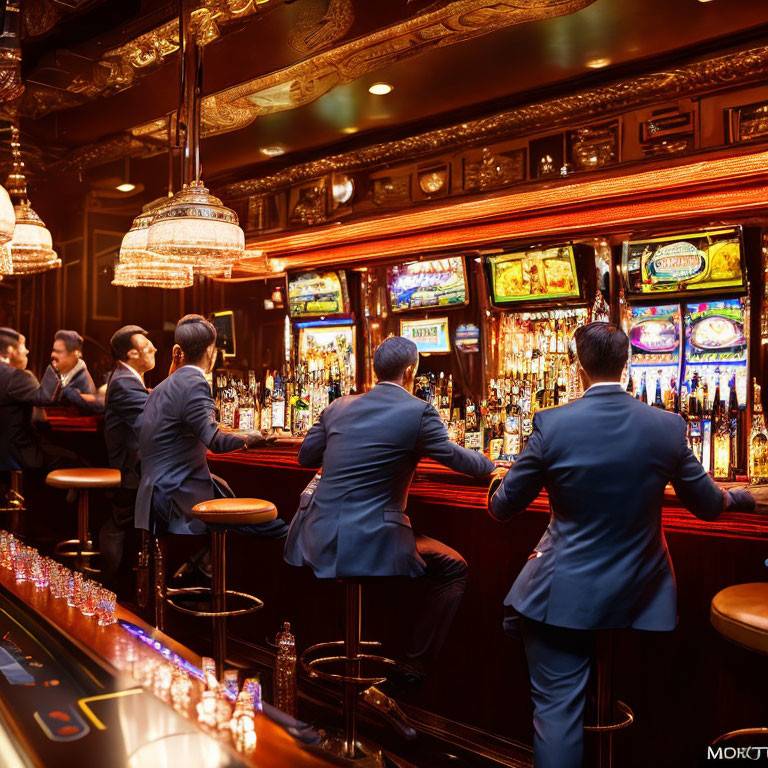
178	429
19	441
123	413
605	460
354	524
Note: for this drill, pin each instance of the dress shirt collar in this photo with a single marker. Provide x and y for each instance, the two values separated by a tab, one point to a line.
393	384
605	384
65	378
133	371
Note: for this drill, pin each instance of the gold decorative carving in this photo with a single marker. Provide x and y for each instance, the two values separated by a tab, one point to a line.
494	170
391	191
11	84
317	27
594	146
729	70
302	83
434	181
310	208
40	16
120	67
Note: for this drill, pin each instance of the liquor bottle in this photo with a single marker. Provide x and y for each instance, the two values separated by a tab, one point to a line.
512	431
446	400
631	385
736	428
643	388
657	399
286	693
758	441
278	403
228	406
721	438
266	404
473	430
247	406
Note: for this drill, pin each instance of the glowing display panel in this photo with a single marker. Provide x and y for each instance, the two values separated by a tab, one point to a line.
533	276
318	293
716	346
654	337
696	262
428	335
426	284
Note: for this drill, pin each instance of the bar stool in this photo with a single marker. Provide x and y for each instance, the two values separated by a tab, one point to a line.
349	745
217	512
740	614
83	480
609	715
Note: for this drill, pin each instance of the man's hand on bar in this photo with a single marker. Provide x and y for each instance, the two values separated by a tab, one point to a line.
254	440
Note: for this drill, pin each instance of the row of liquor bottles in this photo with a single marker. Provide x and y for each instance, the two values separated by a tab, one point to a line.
282	401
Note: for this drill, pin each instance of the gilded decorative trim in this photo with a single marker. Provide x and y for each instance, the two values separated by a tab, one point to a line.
308	80
729	70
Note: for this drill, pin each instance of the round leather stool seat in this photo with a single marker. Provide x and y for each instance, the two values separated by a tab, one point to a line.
84	478
234	511
740	613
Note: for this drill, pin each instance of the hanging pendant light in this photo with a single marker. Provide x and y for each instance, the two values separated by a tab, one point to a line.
195	228
31	246
7	218
138	268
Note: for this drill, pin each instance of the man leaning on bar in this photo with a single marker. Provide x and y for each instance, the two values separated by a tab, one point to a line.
602	563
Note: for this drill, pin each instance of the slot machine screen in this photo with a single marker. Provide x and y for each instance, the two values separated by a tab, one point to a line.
439	283
429	335
315	294
654	337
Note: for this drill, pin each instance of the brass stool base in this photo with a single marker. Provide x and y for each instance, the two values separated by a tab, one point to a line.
367	754
74	548
741	732
171	594
14	502
627	720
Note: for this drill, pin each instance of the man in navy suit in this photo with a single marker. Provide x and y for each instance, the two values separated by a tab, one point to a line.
602	563
178	429
124	403
354	524
67	380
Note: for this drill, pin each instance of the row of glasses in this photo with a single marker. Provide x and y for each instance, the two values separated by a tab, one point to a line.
86	595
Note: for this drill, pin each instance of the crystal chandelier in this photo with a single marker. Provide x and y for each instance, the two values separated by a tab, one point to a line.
138	267
31	246
194	228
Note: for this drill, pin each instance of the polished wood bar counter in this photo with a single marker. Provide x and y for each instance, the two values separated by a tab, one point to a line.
72	692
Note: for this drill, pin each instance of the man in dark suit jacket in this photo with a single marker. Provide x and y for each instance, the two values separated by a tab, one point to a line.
20	446
126	396
354	524
178	429
602	563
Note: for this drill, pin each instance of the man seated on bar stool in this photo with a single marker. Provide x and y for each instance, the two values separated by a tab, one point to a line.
355	523
66	380
602	563
22	447
126	397
178	429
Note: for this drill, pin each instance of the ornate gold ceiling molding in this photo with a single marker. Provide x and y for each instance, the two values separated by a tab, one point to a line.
731	69
40	16
120	67
306	81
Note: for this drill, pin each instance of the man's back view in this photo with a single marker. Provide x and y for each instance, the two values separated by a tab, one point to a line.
602	563
354	525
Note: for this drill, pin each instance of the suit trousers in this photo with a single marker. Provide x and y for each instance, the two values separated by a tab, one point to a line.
559	661
113	532
442	587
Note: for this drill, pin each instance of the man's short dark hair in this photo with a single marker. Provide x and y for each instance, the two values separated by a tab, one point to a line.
73	341
121	342
194	334
603	349
9	338
393	356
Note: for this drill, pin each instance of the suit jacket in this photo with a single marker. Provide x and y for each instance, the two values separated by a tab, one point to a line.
123	414
603	561
19	443
51	389
178	429
354	524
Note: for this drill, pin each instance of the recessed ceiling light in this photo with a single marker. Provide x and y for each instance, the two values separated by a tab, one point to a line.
272	151
126	187
598	63
705	1
350	129
380	89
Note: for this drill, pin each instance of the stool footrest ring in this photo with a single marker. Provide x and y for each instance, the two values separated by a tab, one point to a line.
171	594
310	665
627	720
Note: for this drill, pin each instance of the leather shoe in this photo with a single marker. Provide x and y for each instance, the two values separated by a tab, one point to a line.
378	704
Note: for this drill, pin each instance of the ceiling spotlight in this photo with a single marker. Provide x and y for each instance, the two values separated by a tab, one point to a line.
350	129
380	89
598	63
125	187
272	151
